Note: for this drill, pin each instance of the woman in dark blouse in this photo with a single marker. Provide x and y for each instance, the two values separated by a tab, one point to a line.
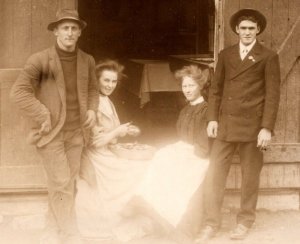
177	170
191	123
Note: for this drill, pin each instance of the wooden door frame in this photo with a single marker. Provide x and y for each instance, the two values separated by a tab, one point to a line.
219	28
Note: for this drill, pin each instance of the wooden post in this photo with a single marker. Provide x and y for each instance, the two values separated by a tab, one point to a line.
219	28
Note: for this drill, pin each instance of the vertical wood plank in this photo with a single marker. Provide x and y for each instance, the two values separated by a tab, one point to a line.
291	175
289	51
14	127
280	22
20	165
231	6
294	9
21	26
286	98
71	4
43	12
6	33
276	176
264	177
219	29
280	125
292	105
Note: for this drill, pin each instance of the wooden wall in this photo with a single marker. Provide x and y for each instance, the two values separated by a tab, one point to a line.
20	166
24	29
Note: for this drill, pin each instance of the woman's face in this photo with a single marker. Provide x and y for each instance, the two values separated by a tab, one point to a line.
190	88
108	81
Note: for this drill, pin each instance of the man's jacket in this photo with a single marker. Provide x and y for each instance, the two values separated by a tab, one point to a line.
40	90
244	95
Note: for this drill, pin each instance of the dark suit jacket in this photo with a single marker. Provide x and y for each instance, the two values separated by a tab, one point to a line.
244	95
40	89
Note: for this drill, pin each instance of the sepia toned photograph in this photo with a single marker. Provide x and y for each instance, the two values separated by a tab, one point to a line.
149	122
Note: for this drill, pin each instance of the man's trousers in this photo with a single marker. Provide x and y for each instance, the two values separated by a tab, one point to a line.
251	160
61	159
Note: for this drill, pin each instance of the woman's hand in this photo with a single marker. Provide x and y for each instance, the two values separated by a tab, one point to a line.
123	129
133	130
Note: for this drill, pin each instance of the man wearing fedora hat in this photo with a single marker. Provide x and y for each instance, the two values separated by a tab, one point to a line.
242	108
57	92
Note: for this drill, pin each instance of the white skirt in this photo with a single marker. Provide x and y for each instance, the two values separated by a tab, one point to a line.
173	176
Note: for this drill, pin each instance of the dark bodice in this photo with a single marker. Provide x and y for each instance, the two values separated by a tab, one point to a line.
191	127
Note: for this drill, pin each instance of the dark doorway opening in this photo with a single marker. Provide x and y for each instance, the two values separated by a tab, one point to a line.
151	29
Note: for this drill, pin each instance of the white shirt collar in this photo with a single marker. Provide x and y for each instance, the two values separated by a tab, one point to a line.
197	101
249	47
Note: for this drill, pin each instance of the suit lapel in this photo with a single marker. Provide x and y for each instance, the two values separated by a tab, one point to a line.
56	68
235	59
253	57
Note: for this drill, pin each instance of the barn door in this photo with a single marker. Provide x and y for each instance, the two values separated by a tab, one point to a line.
20	166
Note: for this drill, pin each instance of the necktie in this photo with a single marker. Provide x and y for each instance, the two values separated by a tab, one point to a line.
244	53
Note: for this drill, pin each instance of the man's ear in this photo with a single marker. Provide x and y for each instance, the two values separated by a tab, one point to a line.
258	29
237	29
55	31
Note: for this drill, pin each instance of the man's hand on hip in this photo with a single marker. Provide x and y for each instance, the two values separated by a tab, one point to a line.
46	126
90	120
264	138
212	129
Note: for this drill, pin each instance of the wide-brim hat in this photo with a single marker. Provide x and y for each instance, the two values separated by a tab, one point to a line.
261	19
67	14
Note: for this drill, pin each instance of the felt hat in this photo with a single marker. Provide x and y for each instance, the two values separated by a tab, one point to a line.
261	19
67	14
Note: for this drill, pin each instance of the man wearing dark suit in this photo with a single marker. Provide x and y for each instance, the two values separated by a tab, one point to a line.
242	108
57	92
